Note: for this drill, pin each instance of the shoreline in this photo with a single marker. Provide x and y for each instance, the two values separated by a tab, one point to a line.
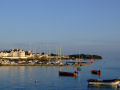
64	65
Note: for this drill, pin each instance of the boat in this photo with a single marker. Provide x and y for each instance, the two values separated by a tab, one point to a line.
78	69
62	73
97	72
104	87
99	82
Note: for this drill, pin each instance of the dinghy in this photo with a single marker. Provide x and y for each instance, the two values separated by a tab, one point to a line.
62	73
97	72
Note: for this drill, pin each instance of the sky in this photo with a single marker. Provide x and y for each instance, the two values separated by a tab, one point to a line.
88	26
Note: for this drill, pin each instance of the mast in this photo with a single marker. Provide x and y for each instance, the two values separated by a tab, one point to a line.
79	54
60	57
56	54
49	54
40	50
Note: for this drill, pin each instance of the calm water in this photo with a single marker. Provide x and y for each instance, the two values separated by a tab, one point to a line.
23	77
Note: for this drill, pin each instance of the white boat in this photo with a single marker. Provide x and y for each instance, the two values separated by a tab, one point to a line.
98	82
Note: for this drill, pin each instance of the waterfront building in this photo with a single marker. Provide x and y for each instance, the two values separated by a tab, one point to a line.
21	53
15	54
4	54
29	54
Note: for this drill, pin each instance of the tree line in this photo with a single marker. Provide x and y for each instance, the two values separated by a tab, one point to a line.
85	56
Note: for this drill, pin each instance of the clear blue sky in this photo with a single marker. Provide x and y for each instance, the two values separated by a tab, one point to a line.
86	25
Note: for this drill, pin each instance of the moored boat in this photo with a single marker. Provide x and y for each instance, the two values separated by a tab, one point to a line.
98	82
62	73
78	69
97	72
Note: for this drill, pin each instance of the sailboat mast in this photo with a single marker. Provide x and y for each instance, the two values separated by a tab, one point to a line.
79	54
60	57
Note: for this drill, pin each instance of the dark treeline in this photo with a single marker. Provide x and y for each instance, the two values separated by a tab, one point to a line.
85	56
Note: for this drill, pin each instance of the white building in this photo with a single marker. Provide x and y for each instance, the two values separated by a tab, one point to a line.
17	53
4	54
14	53
21	53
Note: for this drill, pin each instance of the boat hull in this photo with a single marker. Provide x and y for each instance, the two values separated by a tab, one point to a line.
97	72
61	73
103	82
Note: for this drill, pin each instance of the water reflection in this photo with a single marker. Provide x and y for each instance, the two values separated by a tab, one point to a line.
92	87
47	78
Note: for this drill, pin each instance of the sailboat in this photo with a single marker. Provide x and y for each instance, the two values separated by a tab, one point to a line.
60	58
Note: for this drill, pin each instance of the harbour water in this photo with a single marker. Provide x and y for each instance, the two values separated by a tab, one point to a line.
47	78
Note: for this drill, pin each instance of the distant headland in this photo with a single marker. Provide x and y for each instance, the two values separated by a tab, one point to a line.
85	56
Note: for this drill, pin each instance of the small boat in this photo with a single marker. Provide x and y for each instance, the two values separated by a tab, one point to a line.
78	69
100	87
62	73
97	72
98	82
